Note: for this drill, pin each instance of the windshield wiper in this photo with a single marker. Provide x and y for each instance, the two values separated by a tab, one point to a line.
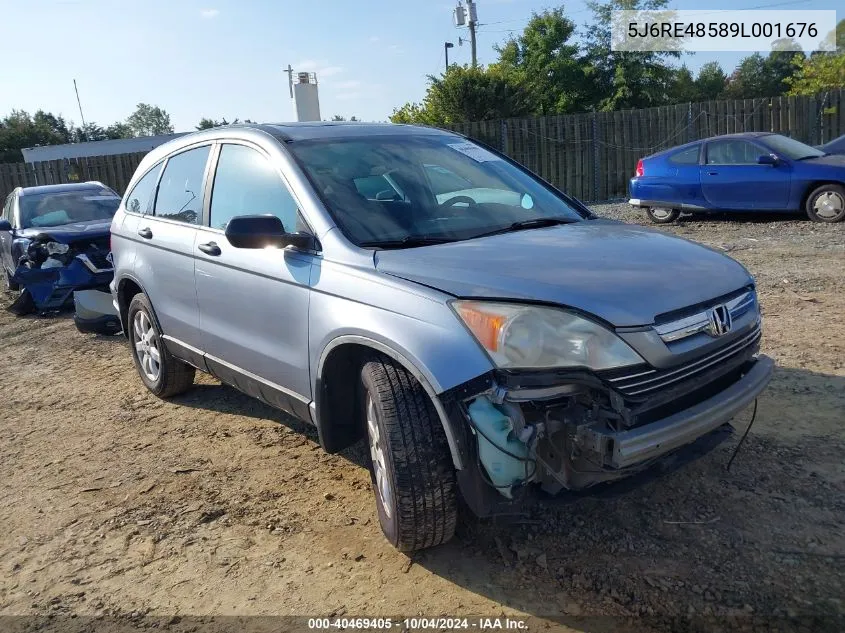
535	223
409	241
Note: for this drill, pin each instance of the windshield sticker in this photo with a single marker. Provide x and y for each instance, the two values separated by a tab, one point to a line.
478	154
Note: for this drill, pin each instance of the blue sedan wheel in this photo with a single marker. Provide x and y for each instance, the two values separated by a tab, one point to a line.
662	215
827	203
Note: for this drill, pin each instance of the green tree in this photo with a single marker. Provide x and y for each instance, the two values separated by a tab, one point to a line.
683	88
624	79
710	82
119	129
818	73
758	76
464	94
19	129
545	62
149	120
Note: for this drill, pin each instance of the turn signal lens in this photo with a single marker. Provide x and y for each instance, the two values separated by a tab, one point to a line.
640	169
486	326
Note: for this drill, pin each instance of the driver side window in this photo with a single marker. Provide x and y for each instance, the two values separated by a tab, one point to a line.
246	183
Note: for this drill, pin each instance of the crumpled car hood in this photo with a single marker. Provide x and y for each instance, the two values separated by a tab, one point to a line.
67	233
624	274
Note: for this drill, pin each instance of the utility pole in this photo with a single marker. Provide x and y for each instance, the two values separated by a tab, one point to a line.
79	103
446	47
468	17
473	19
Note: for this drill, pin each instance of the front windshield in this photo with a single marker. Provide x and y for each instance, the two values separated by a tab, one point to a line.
789	147
388	189
66	207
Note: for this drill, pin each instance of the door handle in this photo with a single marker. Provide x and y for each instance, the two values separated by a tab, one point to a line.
712	173
210	248
146	233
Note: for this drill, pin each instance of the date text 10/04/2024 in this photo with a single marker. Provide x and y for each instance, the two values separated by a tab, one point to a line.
419	624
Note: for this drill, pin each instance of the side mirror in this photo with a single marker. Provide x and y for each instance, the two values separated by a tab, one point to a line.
262	231
768	159
5	225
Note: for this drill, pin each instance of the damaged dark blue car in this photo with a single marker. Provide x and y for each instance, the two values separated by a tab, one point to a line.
54	247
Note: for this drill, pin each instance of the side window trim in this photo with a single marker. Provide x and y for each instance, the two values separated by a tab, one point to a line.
212	149
211	174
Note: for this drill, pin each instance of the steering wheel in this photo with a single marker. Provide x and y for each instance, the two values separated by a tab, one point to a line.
457	200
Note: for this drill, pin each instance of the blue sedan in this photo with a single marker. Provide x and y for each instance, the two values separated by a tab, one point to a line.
755	171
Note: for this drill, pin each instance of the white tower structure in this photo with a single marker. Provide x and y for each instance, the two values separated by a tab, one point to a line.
304	92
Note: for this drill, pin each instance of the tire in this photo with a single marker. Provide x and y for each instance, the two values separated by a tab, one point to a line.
172	376
662	215
410	464
826	203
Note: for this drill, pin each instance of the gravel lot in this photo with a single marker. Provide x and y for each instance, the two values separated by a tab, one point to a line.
117	503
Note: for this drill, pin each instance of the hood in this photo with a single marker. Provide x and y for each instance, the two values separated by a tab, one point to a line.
624	274
831	160
67	233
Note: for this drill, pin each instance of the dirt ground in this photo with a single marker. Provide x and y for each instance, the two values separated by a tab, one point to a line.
116	503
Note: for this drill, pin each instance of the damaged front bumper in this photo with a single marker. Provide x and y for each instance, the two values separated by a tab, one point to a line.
581	432
623	449
94	312
48	273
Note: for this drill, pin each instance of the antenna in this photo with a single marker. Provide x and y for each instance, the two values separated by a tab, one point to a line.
289	71
79	103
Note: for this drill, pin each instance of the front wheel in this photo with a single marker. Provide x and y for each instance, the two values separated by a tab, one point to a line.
161	372
411	466
826	203
662	215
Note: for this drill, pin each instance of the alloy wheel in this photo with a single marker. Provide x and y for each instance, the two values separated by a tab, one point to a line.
146	345
385	491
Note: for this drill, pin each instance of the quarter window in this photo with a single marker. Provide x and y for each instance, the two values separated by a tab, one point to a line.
688	156
140	198
246	183
180	191
732	153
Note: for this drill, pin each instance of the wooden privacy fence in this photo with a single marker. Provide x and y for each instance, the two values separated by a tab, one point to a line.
589	155
114	171
593	155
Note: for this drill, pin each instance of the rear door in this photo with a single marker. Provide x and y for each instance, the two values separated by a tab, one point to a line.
732	179
254	302
164	259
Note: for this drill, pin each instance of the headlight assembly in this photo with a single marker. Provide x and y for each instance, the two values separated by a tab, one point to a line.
535	337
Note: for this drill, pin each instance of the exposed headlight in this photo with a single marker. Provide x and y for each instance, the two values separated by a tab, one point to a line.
534	337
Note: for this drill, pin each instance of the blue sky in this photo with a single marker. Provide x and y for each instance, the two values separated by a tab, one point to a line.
225	58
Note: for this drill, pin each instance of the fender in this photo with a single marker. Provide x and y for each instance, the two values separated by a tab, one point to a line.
431	388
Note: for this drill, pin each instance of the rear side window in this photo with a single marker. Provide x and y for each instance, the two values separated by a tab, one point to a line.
688	156
180	190
140	198
246	183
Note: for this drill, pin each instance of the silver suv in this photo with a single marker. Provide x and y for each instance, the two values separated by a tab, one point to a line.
488	335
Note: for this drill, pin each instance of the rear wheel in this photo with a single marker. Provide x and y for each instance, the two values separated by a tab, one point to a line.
826	203
411	466
160	371
662	215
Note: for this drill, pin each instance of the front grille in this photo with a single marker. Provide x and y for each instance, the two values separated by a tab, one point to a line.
645	382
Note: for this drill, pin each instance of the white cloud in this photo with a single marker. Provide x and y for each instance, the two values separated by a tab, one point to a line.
209	14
